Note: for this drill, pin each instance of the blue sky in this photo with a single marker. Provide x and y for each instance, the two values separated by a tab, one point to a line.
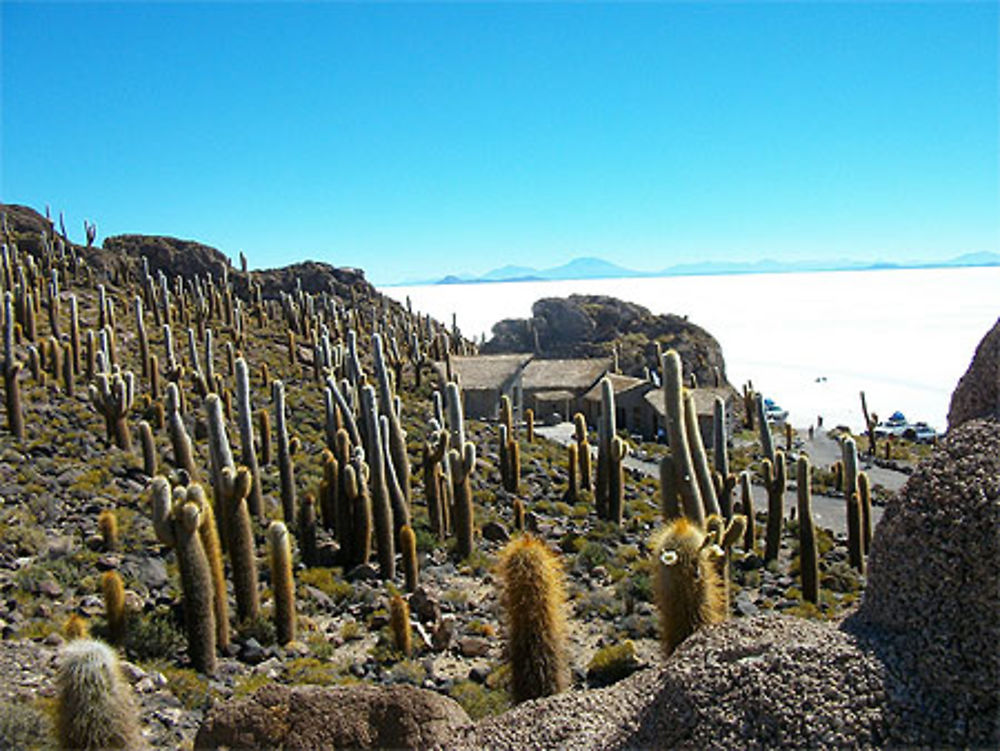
420	140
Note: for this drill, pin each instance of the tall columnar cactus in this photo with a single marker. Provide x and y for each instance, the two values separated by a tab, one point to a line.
95	708
725	534
176	524
179	438
248	452
849	452
808	554
356	493
264	428
529	425
720	457
113	590
616	480
408	548
286	469
689	591
235	486
865	497
533	600
513	453
282	583
140	327
307	531
387	408
747	509
766	439
775	482
572	491
506	414
400	508
113	395
703	471
677	435
431	458
606	430
583	452
209	532
462	462
381	504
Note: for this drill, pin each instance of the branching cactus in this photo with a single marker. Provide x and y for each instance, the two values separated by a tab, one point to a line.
248	452
775	482
176	524
113	395
95	708
462	462
808	555
583	452
431	457
209	532
381	504
533	600
282	582
286	469
689	591
673	397
356	493
235	485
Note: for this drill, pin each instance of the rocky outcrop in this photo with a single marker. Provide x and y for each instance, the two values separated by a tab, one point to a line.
978	391
590	325
933	596
170	255
311	717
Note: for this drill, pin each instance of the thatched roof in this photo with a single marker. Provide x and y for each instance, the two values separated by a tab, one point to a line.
484	371
571	375
704	399
619	384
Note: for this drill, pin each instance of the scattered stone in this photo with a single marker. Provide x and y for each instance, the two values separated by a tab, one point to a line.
495	532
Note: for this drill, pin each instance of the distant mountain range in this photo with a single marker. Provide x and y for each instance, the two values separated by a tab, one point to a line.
598	268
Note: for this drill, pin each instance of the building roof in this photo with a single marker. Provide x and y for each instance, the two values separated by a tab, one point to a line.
485	371
704	399
570	375
619	384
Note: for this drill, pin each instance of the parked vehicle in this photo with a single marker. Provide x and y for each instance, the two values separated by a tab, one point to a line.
897	426
920	432
773	412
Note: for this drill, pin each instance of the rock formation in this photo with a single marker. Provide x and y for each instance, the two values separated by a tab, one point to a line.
978	391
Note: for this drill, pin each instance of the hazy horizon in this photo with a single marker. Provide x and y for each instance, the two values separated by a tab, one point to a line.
416	141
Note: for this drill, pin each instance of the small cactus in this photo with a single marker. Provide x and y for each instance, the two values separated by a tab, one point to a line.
533	600
75	627
689	591
113	591
529	425
95	708
583	452
282	583
408	548
107	527
399	623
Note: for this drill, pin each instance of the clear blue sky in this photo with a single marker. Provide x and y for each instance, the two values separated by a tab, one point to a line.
419	140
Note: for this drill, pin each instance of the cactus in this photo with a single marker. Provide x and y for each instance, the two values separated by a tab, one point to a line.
380	502
220	456
433	453
670	500
286	468
720	456
264	428
808	555
461	463
513	464
235	485
396	446
571	472
400	506
307	531
689	591
114	605
775	481
209	532
747	509
533	600
408	548
865	496
148	444
356	493
177	526
529	425
764	428
703	471
399	624
677	435
95	708
855	533
75	627
179	438
583	452
282	583
113	395
606	433
248	454
518	507
616	480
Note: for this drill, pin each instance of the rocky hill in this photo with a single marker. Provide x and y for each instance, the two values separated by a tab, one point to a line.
593	325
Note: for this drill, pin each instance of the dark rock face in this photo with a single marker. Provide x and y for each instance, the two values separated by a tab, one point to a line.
311	717
588	326
978	391
316	277
933	595
171	256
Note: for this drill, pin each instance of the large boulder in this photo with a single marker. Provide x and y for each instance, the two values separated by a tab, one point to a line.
933	596
592	325
311	717
978	391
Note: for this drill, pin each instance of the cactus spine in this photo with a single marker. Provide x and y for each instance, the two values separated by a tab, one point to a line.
282	583
677	435
808	555
95	708
533	600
